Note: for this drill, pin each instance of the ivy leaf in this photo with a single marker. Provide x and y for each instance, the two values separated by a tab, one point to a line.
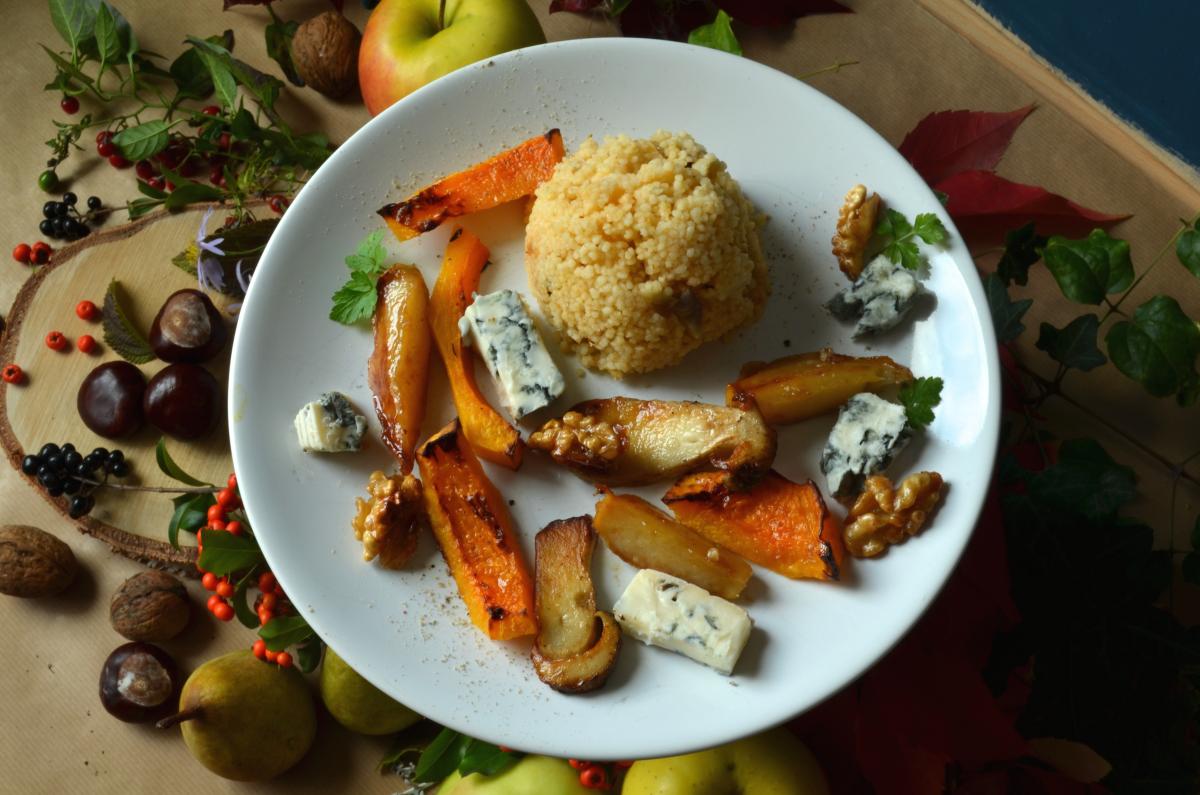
1088	269
1020	253
484	758
919	397
191	512
144	140
717	35
1084	481
168	467
1075	345
282	631
279	36
119	332
1006	313
1158	349
75	20
442	756
1187	248
224	553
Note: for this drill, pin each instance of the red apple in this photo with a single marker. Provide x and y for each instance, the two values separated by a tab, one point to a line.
404	46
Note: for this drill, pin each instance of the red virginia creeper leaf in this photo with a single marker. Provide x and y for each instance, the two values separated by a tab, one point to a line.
575	6
772	13
656	19
949	141
228	4
985	205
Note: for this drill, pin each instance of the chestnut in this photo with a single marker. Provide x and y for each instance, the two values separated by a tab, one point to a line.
183	401
139	683
110	399
188	328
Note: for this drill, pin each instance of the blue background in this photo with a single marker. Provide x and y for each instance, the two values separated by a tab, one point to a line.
1141	58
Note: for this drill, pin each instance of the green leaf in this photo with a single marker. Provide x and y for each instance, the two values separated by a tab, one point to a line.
75	20
243	127
191	512
442	756
144	140
355	301
262	87
615	7
1075	345
893	224
119	332
67	68
1088	269
370	257
919	397
222	79
899	236
191	75
139	207
1187	248
168	467
1158	349
282	631
188	192
279	36
146	189
241	608
1020	253
1006	313
308	655
717	34
930	228
1085	481
485	759
108	44
224	553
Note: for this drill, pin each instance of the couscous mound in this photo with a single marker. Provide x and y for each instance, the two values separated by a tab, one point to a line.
641	250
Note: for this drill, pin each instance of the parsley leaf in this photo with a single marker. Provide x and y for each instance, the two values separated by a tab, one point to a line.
930	229
355	300
370	257
919	398
900	236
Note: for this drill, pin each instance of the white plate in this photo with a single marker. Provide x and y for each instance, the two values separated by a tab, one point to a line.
795	153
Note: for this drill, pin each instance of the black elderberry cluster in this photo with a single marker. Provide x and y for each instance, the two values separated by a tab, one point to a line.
61	469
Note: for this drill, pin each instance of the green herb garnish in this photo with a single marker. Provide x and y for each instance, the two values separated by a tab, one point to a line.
919	398
355	300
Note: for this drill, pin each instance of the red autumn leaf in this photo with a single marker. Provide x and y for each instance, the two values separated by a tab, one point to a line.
575	6
985	205
665	19
772	13
228	4
949	141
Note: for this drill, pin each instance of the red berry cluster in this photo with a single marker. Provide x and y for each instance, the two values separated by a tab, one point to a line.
222	588
594	775
37	254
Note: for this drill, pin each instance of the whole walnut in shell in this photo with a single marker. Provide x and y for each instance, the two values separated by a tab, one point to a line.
325	53
151	605
34	563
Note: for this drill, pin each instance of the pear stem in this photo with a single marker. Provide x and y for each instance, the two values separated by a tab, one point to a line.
191	713
442	15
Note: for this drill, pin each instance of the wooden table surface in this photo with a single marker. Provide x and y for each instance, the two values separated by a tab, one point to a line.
913	59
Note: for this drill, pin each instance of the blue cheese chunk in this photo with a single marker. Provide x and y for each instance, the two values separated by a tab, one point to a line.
868	434
500	328
673	614
330	425
880	298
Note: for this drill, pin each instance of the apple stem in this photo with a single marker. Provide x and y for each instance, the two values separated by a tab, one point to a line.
191	713
442	15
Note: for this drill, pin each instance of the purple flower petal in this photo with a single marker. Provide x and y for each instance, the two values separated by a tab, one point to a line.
210	246
242	276
209	274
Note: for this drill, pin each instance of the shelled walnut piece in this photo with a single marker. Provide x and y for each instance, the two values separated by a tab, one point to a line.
577	437
856	223
883	515
387	524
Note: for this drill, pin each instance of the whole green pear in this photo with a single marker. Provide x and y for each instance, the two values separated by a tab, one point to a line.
246	719
356	703
531	774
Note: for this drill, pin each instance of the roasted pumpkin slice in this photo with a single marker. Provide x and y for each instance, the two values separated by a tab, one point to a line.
576	645
807	385
779	524
510	175
490	434
398	369
473	528
645	537
625	441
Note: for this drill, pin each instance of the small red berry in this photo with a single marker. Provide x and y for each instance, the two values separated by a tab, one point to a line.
86	310
267	583
593	777
217	524
223	611
209	581
158	183
189	168
56	341
272	656
260	649
144	169
233	528
224	141
268	601
232	482
212	603
624	763
225	589
41	252
116	161
106	148
210	110
283	660
277	204
104	137
225	499
578	764
86	343
217	177
69	105
169	186
22	253
12	374
265	616
505	749
215	512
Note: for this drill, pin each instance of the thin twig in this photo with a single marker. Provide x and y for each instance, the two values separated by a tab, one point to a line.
156	489
1153	263
835	67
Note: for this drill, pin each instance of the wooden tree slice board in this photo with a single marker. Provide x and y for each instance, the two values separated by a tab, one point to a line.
43	409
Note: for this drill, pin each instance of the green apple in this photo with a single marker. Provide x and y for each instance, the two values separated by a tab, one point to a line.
532	774
772	763
403	46
357	704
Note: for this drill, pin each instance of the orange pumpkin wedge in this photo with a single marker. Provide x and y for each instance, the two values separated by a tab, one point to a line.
489	433
779	524
398	369
473	528
510	175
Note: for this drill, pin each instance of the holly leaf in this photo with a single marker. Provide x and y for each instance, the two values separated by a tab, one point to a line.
1187	248
1084	481
191	512
1088	269
282	631
168	467
485	759
919	397
951	141
985	205
441	757
1021	251
143	141
1006	313
717	35
1158	349
119	332
224	553
1075	345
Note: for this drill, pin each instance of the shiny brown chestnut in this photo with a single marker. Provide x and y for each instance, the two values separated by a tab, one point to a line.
183	401
188	328
139	683
110	399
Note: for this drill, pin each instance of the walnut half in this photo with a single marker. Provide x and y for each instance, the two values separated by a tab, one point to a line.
578	439
387	524
883	516
856	222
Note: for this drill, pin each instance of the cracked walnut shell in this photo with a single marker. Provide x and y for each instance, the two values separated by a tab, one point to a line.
856	222
883	515
388	522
